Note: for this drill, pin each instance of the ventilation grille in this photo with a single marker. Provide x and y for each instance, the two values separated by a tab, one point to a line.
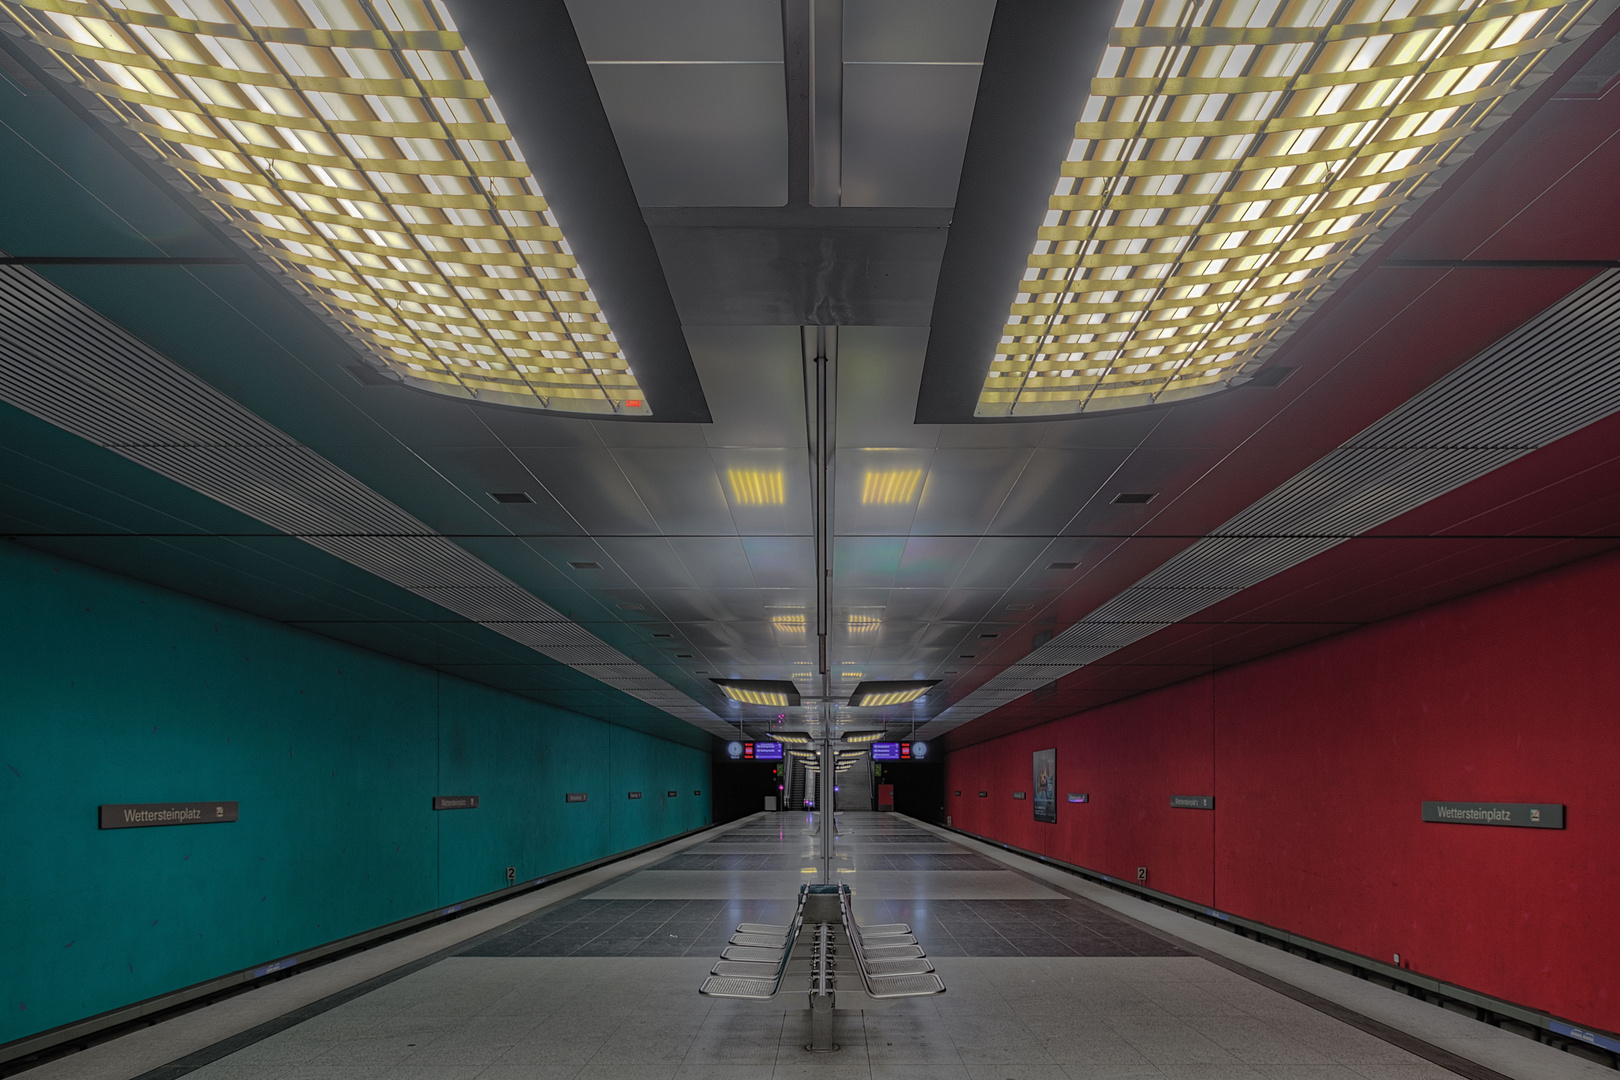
65	364
1551	377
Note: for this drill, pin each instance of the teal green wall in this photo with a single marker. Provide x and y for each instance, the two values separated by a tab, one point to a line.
112	691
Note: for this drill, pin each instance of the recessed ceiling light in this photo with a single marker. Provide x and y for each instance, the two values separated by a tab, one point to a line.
1230	163
875	694
1136	497
967	656
1062	565
890	487
355	148
631	607
663	635
758	487
683	656
989	635
586	565
777	692
510	496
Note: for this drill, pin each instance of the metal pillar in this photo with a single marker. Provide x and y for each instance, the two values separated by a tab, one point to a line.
822	994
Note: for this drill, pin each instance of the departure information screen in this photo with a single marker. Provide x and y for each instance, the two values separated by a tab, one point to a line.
766	751
890	751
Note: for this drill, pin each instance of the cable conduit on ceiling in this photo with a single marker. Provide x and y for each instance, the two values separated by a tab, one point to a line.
72	368
1549	378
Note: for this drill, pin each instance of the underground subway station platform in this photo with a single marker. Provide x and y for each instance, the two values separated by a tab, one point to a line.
796	539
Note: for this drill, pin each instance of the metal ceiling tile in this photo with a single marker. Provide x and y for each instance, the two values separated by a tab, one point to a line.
866	562
916	31
691	30
1053	487
998	562
649	561
783	562
715	562
933	562
699	134
591	486
966	489
905	129
879	368
680	489
753	378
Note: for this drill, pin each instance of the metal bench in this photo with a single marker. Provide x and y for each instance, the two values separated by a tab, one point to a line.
889	962
754	964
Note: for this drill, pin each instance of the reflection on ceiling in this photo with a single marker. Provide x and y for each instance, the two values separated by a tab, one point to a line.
1232	158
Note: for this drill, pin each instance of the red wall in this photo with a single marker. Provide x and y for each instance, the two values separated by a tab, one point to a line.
1319	759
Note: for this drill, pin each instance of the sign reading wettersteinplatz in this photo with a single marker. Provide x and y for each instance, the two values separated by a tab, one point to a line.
1514	815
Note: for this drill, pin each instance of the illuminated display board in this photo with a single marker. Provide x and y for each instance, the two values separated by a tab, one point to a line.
764	751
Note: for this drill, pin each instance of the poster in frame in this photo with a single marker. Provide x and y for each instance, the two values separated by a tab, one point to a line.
1045	802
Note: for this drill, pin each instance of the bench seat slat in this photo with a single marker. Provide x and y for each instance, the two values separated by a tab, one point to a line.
905	986
732	986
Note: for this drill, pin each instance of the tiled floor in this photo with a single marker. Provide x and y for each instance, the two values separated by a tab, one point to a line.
1041	986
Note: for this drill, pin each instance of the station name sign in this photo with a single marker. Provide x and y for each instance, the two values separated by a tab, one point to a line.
1192	802
455	802
1515	815
149	815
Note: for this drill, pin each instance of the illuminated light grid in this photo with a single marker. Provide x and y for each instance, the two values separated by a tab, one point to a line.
862	624
757	487
888	487
353	143
754	697
893	697
790	738
1232	157
789	623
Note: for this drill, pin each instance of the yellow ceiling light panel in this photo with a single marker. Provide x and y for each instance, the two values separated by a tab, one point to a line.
889	487
862	624
1232	157
353	143
893	697
792	624
755	697
757	487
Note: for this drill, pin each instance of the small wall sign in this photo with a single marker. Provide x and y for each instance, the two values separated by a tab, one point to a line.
672	794
635	794
574	796
151	815
1515	815
1020	795
455	802
1192	802
1074	797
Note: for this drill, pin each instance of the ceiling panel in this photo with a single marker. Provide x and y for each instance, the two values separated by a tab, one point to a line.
905	131
591	486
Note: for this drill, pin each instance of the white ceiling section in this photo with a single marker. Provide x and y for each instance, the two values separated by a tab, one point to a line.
911	72
72	367
694	91
1548	379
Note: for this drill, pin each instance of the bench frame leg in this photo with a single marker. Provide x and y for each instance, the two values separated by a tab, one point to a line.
821	1024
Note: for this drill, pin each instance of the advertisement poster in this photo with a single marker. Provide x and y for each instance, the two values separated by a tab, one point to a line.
1046	785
